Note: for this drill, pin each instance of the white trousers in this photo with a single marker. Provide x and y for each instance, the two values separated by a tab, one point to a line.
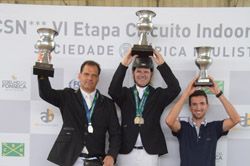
79	161
138	157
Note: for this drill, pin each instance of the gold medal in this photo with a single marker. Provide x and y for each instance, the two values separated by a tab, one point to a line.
137	120
141	120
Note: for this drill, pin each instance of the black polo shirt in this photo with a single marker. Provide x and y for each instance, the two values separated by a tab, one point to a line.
199	150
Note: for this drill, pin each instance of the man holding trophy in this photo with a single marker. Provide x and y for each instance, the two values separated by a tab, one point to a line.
198	138
142	105
46	45
87	114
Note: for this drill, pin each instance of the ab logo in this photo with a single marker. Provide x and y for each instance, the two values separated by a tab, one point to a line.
47	116
245	120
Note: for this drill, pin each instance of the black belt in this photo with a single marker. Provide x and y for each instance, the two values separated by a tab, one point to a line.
138	147
87	156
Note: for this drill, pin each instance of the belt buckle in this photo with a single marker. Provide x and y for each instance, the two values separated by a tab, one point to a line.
93	162
138	147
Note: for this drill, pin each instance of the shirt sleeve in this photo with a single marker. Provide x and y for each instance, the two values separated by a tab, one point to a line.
219	129
179	132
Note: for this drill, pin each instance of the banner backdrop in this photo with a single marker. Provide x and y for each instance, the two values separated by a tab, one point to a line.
29	126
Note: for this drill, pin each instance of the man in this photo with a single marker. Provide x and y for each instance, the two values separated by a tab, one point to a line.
81	140
141	108
198	138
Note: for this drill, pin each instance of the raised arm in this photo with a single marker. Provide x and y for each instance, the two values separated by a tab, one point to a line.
173	87
159	60
128	58
234	117
46	92
115	88
171	119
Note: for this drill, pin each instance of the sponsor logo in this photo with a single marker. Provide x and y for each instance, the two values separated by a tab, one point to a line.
14	84
245	120
123	49
219	156
220	85
13	149
47	116
75	84
47	119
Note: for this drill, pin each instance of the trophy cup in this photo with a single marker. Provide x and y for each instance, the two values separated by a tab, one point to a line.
203	61
46	45
145	26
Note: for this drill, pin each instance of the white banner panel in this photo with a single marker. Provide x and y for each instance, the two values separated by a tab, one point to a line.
104	34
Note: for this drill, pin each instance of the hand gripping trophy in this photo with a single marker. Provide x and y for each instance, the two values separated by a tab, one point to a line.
46	45
203	61
144	26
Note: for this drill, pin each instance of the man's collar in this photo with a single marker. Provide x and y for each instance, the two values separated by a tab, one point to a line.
85	93
192	123
140	88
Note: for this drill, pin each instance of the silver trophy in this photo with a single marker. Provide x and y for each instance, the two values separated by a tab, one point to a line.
143	49
203	61
46	45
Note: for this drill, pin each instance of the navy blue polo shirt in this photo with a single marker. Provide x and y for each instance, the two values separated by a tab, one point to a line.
199	150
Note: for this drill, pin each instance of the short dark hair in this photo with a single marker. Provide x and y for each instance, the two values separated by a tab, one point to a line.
91	63
198	93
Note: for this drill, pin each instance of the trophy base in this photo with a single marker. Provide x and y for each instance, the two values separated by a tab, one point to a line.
143	51
43	69
203	82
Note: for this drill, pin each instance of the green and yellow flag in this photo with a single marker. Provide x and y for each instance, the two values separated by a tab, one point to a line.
13	149
220	85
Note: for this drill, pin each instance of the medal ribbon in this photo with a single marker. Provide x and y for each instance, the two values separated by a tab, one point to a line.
90	111
140	105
